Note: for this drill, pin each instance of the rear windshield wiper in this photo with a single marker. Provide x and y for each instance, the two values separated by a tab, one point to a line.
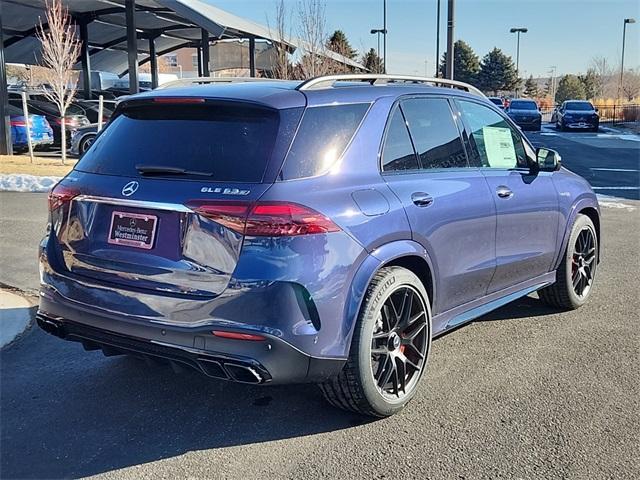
167	170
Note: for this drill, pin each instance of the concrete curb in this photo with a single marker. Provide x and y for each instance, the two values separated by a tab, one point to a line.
16	313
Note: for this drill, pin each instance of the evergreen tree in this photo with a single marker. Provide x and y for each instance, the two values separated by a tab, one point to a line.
570	88
497	72
339	43
466	64
531	88
372	61
591	84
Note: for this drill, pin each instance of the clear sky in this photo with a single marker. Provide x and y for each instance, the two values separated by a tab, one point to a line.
564	33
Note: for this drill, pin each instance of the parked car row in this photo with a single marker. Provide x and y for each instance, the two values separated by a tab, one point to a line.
78	115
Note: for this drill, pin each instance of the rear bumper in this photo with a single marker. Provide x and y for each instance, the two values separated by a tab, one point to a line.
272	360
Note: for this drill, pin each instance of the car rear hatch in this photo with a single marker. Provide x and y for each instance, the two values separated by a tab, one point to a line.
40	128
152	203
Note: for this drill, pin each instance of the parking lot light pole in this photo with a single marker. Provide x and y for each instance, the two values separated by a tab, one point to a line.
624	34
518	31
451	21
378	31
384	34
437	40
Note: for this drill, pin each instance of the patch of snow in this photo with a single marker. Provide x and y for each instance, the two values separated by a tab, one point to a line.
607	201
18	182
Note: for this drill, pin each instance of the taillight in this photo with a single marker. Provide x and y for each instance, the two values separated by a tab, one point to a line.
265	219
60	196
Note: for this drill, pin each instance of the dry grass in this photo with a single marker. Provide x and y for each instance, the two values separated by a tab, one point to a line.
41	166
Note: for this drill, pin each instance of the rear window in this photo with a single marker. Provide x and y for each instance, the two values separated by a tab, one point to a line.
227	142
496	101
322	137
520	105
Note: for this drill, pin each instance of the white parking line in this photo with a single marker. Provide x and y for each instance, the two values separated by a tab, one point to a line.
616	169
615	188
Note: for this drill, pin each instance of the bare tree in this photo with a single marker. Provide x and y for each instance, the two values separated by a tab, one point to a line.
631	84
60	51
312	33
603	74
282	67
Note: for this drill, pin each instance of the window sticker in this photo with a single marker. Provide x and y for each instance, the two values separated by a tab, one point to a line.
498	143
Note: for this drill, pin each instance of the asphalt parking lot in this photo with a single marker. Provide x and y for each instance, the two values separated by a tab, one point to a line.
524	392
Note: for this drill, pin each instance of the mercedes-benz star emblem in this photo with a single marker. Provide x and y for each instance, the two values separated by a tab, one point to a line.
130	188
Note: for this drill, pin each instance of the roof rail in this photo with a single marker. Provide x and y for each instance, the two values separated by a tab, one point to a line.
328	81
185	82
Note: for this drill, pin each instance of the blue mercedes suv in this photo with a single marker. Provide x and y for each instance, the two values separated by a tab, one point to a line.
320	231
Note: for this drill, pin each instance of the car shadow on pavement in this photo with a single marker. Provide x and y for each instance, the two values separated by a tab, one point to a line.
70	413
525	307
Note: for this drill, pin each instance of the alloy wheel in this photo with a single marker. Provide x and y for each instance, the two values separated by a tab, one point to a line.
399	343
583	262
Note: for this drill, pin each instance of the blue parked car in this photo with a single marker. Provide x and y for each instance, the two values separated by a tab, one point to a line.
324	231
41	132
577	114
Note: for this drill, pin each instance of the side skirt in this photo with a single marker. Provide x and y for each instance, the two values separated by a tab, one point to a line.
462	314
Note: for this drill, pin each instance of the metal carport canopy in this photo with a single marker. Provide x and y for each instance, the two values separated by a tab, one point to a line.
174	23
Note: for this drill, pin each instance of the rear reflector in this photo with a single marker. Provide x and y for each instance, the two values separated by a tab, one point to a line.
238	336
61	195
265	219
174	100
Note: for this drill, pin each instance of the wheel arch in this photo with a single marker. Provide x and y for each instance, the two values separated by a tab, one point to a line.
402	253
586	206
594	215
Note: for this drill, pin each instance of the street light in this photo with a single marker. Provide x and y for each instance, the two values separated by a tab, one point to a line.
624	33
378	31
518	31
384	33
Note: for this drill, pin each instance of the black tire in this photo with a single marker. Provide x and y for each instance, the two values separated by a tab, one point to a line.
563	293
86	143
356	388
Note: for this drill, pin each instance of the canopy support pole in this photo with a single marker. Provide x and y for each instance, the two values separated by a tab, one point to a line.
252	57
6	148
205	53
132	45
85	59
153	59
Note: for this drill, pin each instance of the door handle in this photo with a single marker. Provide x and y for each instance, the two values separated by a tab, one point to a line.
504	192
421	199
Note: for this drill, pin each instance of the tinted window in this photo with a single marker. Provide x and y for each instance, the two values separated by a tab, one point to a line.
580	106
495	144
496	101
233	142
322	137
434	133
521	105
398	153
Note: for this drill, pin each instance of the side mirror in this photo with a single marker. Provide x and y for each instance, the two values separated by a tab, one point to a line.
547	160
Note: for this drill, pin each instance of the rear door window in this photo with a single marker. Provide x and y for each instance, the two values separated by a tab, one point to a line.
322	138
434	133
222	141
